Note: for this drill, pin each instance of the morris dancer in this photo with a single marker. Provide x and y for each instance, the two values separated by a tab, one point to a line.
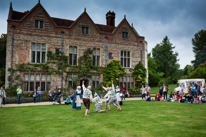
77	99
87	97
113	99
106	96
117	91
98	103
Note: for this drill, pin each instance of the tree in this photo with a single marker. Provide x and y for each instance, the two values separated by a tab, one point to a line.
2	58
139	73
199	47
203	65
166	58
112	72
199	73
154	76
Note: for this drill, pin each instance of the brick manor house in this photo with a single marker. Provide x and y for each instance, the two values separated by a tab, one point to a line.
36	32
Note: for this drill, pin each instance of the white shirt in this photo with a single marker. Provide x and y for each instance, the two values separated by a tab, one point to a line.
87	94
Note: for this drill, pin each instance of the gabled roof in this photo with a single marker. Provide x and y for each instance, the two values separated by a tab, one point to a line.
64	23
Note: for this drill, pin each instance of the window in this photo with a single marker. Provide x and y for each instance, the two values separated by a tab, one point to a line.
72	55
125	59
128	81
85	30
33	81
110	55
38	24
125	35
95	81
96	57
57	51
38	53
72	81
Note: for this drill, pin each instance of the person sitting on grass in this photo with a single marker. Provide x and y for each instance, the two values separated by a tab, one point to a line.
147	97
182	93
54	95
68	101
177	96
50	95
188	98
196	101
158	97
98	103
171	97
203	98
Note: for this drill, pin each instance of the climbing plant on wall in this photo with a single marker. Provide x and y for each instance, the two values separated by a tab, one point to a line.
54	66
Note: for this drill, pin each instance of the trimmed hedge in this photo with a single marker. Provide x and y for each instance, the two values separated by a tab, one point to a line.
26	100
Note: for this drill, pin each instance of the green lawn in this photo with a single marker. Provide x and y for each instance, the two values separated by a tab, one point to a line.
171	87
138	118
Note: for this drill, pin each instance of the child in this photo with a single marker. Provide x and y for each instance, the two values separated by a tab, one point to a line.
68	101
171	97
98	103
178	96
188	98
158	97
147	98
196	101
203	98
35	95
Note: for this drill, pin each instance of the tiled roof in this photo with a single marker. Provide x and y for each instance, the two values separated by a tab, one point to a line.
63	22
105	28
18	15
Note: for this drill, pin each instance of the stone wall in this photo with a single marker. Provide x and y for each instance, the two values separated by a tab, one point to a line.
25	34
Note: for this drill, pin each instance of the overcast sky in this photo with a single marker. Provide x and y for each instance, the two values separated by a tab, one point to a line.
153	19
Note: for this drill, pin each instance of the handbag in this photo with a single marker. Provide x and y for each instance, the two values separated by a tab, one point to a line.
34	96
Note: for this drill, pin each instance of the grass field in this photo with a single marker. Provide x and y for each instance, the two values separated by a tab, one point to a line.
171	87
138	118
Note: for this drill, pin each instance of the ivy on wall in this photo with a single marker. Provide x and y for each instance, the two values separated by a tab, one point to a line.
54	66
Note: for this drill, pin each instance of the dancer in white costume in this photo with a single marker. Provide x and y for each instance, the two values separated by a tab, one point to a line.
106	96
98	104
118	94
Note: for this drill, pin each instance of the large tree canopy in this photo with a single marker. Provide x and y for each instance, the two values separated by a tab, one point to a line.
199	47
165	58
112	72
154	76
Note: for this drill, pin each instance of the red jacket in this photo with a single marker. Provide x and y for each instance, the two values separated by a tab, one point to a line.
159	96
124	89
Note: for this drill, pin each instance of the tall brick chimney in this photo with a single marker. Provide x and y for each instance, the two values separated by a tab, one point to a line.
110	16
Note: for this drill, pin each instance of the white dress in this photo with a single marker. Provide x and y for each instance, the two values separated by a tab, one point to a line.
118	95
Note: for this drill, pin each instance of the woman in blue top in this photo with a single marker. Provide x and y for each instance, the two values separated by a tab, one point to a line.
76	100
39	94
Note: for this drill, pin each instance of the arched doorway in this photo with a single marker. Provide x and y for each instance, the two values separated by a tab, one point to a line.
86	83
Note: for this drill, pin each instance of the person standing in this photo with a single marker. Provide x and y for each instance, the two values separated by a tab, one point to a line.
165	90
34	95
198	89
119	99
142	90
39	95
160	91
204	88
4	94
193	89
19	92
87	97
147	88
77	99
1	96
124	89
